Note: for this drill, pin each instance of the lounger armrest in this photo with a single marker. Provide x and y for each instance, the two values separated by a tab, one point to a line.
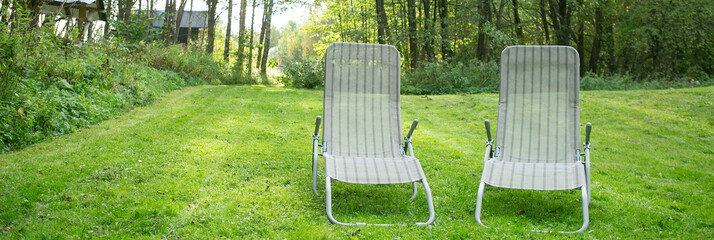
588	128
317	126
411	130
488	131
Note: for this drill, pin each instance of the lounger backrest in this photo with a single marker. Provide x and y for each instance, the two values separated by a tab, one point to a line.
538	116
361	102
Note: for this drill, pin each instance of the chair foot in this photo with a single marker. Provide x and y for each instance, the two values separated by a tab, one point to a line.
479	199
429	202
314	174
328	206
414	191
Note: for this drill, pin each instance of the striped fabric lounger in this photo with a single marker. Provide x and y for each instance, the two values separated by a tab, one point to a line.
537	143
362	134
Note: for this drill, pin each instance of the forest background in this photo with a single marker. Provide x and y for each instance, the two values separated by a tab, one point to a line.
60	73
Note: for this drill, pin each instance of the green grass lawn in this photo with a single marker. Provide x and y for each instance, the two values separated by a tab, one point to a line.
220	161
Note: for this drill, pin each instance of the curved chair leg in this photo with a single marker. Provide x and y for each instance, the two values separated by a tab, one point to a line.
314	175
414	191
586	202
429	202
314	166
328	206
479	199
587	180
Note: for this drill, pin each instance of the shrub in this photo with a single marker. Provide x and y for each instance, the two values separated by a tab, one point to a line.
450	78
188	63
308	73
49	87
591	81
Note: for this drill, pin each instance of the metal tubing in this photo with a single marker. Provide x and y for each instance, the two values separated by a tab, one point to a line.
586	202
588	128
430	203
587	173
314	166
328	206
411	129
488	129
479	199
414	191
317	124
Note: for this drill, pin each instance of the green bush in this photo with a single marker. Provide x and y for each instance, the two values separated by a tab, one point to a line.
49	87
308	73
450	78
189	64
592	81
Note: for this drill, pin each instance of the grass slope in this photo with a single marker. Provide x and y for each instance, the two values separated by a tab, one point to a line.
218	161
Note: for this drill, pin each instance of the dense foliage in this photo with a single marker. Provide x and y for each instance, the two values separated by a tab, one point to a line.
51	86
445	78
622	44
307	73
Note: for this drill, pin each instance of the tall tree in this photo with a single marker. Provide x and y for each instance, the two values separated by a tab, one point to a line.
177	20
560	12
517	20
499	15
227	45
241	37
212	4
382	24
107	26
266	42
428	26
250	49
445	39
411	19
544	21
261	38
580	36
595	52
3	10
483	42
190	25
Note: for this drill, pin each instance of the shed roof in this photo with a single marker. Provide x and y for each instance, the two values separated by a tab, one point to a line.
95	8
198	19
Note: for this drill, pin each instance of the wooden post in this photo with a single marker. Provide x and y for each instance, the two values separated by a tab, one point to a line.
81	21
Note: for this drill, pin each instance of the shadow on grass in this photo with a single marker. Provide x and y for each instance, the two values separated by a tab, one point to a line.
536	210
377	203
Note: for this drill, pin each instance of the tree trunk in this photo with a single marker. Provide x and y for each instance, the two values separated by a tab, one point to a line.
499	16
179	16
241	37
250	49
107	26
261	39
428	26
595	53
445	40
382	27
190	22
266	44
580	38
411	19
483	42
167	22
560	15
544	21
227	45
3	10
212	4
517	20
